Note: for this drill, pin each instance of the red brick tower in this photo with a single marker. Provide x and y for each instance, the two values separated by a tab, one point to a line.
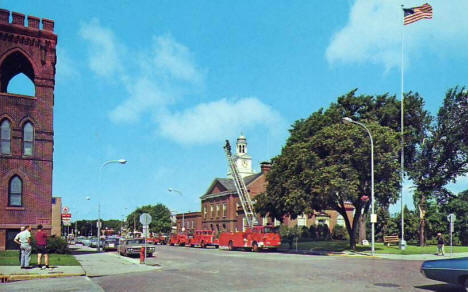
26	124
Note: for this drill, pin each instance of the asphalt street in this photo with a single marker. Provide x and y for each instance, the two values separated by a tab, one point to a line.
195	269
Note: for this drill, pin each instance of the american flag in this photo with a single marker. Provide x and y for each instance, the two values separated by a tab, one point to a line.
417	13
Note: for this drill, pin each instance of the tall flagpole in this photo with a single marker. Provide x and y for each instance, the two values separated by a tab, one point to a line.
402	242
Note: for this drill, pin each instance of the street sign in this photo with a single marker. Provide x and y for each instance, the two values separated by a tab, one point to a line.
65	210
99	224
145	219
66	215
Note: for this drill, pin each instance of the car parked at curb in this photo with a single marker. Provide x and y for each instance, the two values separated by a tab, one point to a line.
132	246
454	271
111	244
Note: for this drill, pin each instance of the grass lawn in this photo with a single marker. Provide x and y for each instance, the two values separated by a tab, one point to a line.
11	258
338	245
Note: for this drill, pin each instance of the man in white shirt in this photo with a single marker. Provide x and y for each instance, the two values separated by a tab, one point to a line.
24	240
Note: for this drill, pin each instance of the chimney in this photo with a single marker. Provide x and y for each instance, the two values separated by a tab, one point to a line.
265	167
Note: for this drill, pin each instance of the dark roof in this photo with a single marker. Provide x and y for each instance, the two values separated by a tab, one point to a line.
228	184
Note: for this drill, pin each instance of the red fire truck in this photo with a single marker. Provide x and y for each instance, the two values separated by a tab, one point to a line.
204	238
254	237
180	239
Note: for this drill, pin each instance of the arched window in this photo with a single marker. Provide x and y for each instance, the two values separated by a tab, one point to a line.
15	192
5	137
28	139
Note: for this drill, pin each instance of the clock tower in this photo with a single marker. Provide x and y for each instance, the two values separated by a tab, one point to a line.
242	159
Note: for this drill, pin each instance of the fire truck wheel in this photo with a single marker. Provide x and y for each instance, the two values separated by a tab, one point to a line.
254	247
230	246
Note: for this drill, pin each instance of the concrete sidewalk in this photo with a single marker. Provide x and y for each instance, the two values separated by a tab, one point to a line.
92	264
411	257
15	273
103	264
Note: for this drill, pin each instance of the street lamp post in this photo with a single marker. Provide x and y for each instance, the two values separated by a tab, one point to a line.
347	120
183	214
121	161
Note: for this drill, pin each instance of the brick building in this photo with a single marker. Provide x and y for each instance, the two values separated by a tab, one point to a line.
56	216
191	221
221	209
26	123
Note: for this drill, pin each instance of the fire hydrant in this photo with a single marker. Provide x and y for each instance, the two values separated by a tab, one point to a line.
142	255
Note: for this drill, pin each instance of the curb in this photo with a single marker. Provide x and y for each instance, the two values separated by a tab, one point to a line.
23	277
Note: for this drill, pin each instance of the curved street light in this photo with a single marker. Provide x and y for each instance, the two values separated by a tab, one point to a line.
183	214
373	218
121	161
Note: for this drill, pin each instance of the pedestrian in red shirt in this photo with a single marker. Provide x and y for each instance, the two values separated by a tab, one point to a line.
41	242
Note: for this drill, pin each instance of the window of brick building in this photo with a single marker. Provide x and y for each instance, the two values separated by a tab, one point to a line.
211	211
15	193
28	139
217	211
204	211
5	137
224	210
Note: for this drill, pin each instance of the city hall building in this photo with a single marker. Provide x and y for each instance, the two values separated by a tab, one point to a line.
26	124
221	209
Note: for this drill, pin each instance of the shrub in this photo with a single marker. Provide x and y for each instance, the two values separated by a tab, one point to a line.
57	245
339	233
304	232
54	245
313	232
288	234
323	232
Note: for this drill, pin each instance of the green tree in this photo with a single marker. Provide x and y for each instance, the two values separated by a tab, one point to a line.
458	205
160	214
442	155
325	164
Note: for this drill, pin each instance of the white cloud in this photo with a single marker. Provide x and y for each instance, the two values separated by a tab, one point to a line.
166	73
214	121
144	96
175	59
373	32
104	51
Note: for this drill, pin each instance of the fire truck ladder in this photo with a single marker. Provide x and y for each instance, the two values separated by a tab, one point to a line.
244	195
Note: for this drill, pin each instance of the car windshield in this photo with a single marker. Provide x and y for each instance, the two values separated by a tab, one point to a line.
135	241
270	230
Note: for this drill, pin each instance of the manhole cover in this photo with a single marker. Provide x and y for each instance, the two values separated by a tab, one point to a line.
388	285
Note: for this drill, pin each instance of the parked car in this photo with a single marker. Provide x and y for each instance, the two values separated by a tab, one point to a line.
133	246
454	271
94	242
111	244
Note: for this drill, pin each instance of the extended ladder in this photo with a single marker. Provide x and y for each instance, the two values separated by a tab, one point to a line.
244	195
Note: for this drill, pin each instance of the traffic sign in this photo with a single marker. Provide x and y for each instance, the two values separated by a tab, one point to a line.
66	215
145	219
65	210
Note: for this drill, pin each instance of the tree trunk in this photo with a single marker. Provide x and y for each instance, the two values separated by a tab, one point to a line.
422	221
362	228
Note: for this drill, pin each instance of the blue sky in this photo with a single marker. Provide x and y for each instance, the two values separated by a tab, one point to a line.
164	83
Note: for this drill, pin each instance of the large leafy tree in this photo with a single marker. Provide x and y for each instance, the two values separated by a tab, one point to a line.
326	164
442	155
160	215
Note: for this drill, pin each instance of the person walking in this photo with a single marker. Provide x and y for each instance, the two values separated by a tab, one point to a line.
24	240
440	244
41	242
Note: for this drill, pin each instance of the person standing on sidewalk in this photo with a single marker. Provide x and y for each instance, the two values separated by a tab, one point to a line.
41	242
24	240
440	244
19	250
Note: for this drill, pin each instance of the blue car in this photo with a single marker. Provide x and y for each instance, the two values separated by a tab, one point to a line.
454	271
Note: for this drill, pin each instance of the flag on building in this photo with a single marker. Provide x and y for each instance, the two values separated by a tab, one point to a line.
417	13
